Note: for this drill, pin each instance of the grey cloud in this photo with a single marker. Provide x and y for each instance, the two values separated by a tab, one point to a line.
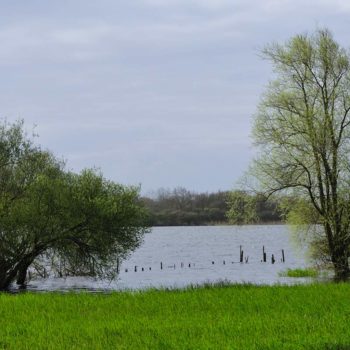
154	92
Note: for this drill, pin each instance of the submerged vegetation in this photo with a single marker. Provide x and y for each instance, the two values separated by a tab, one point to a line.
227	317
308	272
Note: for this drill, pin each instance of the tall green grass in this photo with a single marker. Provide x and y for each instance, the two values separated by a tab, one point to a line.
227	317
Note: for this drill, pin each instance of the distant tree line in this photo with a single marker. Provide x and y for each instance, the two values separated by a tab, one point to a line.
181	207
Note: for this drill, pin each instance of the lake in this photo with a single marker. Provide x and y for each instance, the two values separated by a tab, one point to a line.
196	255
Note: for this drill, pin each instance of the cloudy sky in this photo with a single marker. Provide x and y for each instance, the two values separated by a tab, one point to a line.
154	92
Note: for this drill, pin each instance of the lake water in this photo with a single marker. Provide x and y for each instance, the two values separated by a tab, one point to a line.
196	255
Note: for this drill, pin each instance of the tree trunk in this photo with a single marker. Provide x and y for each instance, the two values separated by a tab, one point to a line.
7	278
341	264
5	274
22	275
18	272
3	279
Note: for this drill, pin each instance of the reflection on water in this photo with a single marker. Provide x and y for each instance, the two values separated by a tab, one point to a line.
180	256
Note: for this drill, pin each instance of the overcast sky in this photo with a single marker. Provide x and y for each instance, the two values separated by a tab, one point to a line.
153	92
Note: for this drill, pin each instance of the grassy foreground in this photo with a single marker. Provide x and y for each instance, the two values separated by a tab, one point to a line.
229	317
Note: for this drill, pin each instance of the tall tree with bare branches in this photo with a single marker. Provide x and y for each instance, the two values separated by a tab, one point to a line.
302	131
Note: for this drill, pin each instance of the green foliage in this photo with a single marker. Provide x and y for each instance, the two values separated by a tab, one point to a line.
299	212
246	208
60	222
242	208
229	317
300	273
181	207
302	130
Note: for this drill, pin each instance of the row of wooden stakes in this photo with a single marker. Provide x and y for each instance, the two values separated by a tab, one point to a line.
242	259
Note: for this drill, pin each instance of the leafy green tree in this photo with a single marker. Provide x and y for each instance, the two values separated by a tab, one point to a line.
242	208
61	222
302	130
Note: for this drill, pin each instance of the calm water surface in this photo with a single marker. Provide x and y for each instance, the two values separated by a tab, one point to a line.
196	249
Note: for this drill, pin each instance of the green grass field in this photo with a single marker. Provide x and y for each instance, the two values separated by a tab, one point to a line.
228	317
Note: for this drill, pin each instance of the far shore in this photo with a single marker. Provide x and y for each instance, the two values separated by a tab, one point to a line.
227	224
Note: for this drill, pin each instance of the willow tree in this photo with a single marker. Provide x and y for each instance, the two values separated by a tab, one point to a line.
242	208
56	221
302	130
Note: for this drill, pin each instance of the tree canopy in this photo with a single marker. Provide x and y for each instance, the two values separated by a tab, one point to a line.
250	208
302	131
58	221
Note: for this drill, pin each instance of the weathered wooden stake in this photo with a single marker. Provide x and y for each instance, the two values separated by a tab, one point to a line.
272	259
117	265
240	254
142	269
212	262
283	260
135	269
150	268
189	265
246	259
264	254
161	266
126	270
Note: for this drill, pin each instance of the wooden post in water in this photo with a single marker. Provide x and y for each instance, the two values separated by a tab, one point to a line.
246	259
126	270
182	265
240	254
189	265
264	254
212	262
272	259
135	269
224	262
150	268
283	260
142	269
161	265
